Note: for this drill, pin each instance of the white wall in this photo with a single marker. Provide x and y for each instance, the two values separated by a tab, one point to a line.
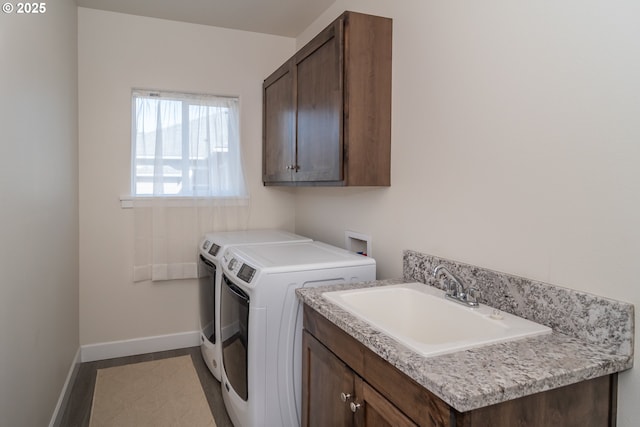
38	211
515	146
116	53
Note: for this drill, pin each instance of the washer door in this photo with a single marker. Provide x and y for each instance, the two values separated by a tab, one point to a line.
207	296
234	308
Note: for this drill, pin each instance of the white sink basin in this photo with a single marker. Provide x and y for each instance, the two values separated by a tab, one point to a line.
421	318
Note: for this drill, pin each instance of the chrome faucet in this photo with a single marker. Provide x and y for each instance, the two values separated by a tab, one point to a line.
456	291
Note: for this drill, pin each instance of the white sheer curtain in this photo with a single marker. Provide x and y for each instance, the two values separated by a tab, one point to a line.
187	179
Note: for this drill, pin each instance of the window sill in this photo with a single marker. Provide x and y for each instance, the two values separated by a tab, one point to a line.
129	202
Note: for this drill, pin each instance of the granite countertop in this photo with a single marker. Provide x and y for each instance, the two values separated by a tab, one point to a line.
483	376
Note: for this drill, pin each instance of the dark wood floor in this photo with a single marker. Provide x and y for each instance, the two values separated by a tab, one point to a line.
78	410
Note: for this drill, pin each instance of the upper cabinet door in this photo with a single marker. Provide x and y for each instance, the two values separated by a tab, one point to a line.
319	67
278	126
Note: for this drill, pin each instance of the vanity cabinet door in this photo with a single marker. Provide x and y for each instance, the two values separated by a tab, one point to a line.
333	395
324	379
375	410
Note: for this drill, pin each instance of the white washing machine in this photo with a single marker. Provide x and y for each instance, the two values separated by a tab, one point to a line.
261	335
211	249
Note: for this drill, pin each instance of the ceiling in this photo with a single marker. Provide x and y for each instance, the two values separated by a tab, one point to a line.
280	17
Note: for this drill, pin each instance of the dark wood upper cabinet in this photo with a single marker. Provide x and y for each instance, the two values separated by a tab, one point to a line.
327	110
278	125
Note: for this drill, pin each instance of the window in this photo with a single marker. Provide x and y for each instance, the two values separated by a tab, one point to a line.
185	145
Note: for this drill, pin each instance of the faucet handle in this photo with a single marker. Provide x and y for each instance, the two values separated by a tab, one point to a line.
472	295
451	288
454	285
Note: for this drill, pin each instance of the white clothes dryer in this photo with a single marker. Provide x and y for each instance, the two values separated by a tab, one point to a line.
261	333
211	249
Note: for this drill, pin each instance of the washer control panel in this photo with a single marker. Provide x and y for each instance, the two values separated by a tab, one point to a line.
209	248
214	249
246	273
237	267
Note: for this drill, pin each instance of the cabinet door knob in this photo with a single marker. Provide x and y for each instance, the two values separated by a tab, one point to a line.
354	406
345	396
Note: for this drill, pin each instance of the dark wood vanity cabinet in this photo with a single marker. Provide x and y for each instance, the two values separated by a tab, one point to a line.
340	397
334	363
327	110
335	367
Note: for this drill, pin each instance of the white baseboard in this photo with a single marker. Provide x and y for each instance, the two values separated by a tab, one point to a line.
109	350
58	412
